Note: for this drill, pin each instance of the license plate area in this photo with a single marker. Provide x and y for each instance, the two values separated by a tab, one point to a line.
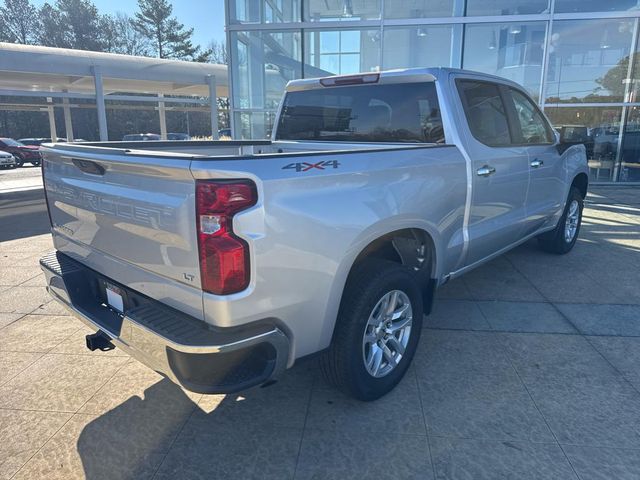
114	296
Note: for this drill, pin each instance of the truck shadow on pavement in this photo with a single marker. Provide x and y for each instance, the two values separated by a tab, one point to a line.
166	434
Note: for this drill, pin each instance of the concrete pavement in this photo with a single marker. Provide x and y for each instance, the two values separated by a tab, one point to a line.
528	368
25	178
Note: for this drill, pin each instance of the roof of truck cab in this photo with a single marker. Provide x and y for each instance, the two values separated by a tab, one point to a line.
400	75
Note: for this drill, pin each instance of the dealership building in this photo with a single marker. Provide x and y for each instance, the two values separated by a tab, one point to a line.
577	58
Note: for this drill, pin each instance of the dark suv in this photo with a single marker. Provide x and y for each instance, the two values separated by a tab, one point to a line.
22	153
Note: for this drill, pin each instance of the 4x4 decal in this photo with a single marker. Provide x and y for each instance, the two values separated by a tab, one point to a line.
305	167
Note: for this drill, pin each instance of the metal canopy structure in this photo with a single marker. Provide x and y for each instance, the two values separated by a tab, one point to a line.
34	71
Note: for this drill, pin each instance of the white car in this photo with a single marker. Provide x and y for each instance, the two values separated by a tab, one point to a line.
7	160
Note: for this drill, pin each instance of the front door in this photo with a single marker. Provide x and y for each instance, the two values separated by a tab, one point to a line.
500	170
545	199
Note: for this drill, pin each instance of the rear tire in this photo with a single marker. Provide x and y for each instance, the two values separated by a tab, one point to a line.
561	239
368	334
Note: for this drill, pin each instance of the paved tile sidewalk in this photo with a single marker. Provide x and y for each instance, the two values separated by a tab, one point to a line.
528	368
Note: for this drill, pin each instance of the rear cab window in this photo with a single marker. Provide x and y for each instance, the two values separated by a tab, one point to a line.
401	112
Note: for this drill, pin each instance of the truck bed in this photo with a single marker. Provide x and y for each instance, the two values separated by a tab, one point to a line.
228	150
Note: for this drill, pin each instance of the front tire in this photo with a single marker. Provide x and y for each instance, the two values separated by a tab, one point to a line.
562	239
377	330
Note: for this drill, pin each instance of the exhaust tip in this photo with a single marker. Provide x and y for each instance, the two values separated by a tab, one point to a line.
99	341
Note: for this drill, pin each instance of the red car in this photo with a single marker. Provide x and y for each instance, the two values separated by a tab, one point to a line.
22	153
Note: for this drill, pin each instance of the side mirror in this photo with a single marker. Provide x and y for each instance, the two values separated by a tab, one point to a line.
564	142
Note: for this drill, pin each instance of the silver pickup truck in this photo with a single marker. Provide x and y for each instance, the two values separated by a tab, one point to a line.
220	264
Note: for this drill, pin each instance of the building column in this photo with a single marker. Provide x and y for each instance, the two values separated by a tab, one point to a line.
213	105
102	112
68	125
163	118
257	87
52	120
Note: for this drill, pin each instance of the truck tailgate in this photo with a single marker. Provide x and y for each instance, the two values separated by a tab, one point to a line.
137	209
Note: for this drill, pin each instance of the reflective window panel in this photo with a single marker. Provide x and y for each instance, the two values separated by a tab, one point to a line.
340	52
511	50
588	60
423	46
572	6
263	63
630	155
253	125
420	8
598	128
341	10
264	11
633	90
506	7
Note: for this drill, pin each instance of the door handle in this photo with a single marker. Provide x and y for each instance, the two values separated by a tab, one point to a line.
536	163
486	171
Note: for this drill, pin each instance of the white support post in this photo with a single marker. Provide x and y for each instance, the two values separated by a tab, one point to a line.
52	120
102	112
68	125
213	104
163	118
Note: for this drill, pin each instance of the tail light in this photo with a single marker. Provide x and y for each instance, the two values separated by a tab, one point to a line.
224	257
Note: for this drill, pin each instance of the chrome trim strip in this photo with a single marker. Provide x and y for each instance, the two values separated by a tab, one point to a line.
467	268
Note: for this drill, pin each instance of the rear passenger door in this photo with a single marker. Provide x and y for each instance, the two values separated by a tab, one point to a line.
545	199
500	169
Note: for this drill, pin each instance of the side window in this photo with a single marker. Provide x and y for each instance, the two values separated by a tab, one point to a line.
485	112
430	120
533	126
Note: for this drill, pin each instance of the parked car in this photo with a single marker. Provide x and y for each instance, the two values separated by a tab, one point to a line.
7	160
577	134
41	140
22	153
220	265
140	137
178	136
36	142
605	142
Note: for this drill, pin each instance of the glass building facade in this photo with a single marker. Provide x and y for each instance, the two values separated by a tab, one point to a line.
578	58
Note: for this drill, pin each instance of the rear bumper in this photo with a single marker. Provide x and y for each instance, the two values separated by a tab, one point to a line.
190	352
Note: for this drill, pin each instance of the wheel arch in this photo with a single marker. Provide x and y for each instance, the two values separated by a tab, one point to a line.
581	182
379	245
413	247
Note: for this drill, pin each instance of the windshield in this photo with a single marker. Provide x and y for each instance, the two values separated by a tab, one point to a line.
10	142
400	112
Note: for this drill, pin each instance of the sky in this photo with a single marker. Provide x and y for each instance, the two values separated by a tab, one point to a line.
205	16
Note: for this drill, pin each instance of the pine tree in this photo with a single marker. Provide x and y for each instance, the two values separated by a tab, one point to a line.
19	22
51	32
169	37
71	24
